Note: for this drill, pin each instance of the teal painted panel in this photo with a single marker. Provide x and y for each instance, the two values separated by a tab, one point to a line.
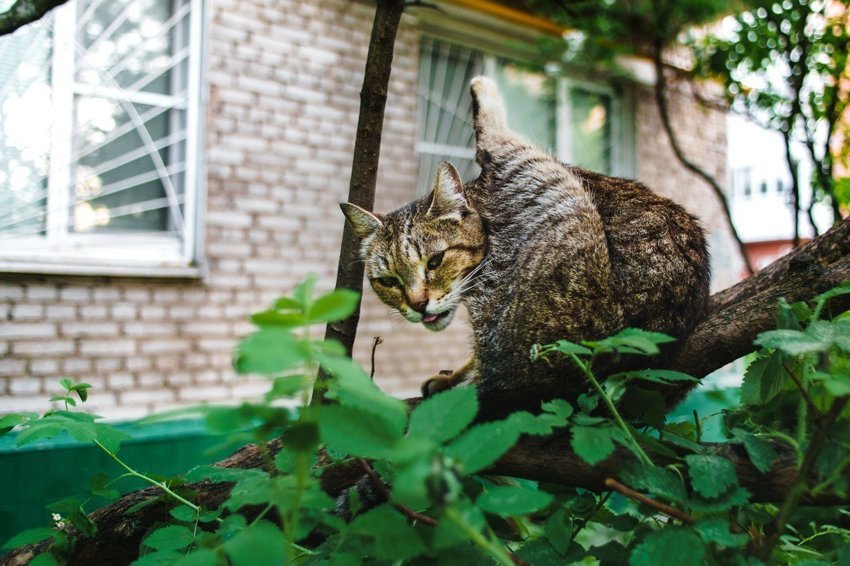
45	472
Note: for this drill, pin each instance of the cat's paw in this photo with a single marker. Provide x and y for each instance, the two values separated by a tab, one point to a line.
488	108
446	379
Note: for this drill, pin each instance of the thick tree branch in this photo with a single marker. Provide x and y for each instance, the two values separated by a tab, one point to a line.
24	12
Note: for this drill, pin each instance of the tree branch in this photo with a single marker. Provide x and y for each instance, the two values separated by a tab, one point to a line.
24	12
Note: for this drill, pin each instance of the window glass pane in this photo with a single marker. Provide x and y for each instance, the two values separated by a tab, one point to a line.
126	153
591	138
128	43
530	99
25	126
445	109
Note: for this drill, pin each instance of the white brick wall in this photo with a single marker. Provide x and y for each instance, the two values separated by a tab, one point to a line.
284	80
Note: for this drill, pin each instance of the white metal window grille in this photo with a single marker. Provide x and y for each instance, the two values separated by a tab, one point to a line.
99	138
581	123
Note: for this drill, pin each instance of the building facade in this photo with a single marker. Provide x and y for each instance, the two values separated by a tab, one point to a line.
184	165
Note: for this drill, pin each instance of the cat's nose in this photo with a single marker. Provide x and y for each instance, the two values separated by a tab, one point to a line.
418	305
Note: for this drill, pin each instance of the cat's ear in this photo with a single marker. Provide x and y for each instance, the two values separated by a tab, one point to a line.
364	222
448	196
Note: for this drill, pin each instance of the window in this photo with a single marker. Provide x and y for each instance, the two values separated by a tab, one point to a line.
99	138
582	123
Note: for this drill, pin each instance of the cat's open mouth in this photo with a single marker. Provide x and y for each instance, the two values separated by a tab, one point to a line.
436	321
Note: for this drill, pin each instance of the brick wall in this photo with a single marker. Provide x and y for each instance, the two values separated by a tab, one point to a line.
702	135
284	80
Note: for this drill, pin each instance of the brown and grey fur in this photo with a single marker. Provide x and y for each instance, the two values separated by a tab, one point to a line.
538	251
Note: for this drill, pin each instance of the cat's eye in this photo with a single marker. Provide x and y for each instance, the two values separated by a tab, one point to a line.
436	260
389	281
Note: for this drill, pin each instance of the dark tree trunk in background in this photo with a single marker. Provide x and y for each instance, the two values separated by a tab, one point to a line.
24	12
364	169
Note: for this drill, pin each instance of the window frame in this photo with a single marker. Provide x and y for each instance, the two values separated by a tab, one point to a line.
623	150
154	254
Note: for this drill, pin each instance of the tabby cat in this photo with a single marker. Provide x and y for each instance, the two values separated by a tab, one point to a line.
538	251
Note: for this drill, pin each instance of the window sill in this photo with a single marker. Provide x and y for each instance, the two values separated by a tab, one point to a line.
102	270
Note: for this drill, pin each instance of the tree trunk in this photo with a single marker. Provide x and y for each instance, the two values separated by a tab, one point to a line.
735	316
364	168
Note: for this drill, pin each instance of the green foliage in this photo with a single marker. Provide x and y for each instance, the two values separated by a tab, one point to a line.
433	460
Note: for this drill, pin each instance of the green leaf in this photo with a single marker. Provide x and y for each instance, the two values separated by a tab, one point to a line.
659	482
764	379
443	416
592	444
279	320
285	387
67	383
761	452
393	537
353	387
269	351
674	545
183	513
512	500
303	293
11	420
559	408
172	537
558	529
794	342
357	432
541	424
200	557
632	341
44	559
716	530
29	536
482	445
82	390
256	545
663	376
734	497
338	305
159	558
566	347
711	476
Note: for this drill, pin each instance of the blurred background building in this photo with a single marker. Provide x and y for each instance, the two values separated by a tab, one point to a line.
169	167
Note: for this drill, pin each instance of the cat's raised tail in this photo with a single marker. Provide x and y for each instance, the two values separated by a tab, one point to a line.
488	108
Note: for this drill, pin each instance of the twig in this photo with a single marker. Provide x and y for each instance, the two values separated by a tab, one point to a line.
380	486
377	340
813	409
641	498
698	426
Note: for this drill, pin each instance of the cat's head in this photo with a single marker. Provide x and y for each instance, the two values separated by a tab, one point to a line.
421	258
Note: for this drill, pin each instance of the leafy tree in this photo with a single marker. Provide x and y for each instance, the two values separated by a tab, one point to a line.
785	65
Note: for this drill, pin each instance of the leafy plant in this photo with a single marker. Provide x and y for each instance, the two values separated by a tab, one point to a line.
425	495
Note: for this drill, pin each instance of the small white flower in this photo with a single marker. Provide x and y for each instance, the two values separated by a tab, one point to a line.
57	517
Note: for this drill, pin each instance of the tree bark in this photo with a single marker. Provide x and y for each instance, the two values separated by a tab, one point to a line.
364	169
24	12
734	318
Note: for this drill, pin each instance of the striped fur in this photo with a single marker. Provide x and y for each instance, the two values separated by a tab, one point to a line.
538	251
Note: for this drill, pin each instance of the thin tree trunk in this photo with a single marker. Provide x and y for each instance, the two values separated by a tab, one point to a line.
795	186
664	111
364	169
